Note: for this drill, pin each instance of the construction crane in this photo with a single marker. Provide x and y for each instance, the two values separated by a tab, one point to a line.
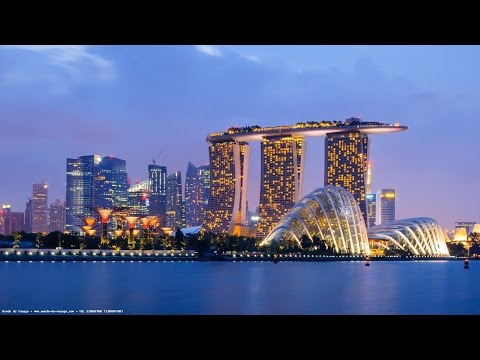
156	157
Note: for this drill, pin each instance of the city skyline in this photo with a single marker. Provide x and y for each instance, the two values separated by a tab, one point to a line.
101	100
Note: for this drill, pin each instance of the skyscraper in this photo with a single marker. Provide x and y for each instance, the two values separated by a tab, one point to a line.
192	195
371	201
385	206
10	222
282	164
57	216
175	208
346	156
139	198
80	190
158	196
27	227
39	208
110	183
204	179
228	186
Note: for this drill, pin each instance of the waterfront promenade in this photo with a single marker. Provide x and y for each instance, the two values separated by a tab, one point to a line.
10	254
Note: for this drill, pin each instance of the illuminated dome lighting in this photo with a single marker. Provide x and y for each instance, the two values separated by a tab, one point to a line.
421	236
330	213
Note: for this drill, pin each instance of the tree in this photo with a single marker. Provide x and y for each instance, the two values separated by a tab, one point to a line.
179	242
39	240
17	238
306	242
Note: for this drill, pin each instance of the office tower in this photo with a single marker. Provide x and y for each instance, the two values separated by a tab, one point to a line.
368	188
80	190
27	227
192	195
282	164
57	216
346	156
10	222
158	196
139	198
175	214
371	201
204	178
39	208
110	184
385	206
228	186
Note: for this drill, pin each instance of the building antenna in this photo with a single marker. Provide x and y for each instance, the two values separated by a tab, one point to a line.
156	157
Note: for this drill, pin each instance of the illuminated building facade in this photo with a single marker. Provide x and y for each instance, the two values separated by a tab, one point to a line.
139	198
346	156
228	186
175	207
385	206
80	190
204	178
10	222
110	183
418	236
371	202
331	214
468	225
346	159
39	208
158	196
197	188
282	163
192	196
56	221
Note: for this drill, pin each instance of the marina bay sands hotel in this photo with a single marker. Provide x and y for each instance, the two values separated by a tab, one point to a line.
282	168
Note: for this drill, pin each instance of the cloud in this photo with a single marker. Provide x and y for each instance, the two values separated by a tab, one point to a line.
209	50
253	58
77	60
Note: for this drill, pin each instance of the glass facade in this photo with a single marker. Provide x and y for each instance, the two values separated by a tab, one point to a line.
346	157
329	213
80	190
228	186
110	184
197	188
158	197
385	206
57	216
281	179
40	208
139	198
204	179
371	202
420	236
175	214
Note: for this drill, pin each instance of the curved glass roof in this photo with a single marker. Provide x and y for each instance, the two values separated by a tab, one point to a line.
330	213
421	236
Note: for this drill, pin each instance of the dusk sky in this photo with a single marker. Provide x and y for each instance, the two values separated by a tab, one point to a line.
133	101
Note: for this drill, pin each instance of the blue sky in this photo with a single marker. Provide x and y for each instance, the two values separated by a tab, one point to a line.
132	101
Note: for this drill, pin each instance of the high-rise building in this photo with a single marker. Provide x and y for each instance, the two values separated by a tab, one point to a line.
371	201
385	206
110	183
197	188
175	207
192	195
228	186
10	222
204	178
27	227
57	216
346	156
39	207
80	190
158	196
139	198
282	164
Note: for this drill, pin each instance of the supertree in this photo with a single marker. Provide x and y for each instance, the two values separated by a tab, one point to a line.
104	216
131	220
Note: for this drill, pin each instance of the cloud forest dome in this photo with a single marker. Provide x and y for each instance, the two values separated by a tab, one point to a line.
330	213
420	236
